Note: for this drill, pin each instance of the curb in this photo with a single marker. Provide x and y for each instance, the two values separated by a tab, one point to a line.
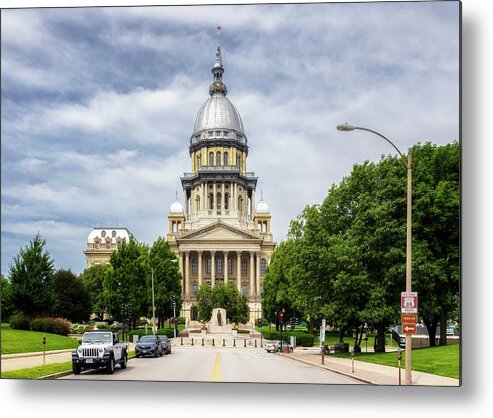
362	379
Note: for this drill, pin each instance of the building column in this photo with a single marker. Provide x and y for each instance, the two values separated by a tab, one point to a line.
214	197
213	268
238	270
200	267
187	274
253	203
182	274
252	273
231	197
258	275
185	203
222	198
225	267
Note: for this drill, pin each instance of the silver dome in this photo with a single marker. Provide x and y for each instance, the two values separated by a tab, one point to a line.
218	113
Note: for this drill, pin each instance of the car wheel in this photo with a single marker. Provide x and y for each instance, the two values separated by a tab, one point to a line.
123	363
155	353
110	367
76	369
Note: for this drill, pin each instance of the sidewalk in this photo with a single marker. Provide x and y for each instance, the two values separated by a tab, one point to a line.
368	372
28	360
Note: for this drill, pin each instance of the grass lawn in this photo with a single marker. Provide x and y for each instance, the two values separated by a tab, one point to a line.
42	371
19	341
442	361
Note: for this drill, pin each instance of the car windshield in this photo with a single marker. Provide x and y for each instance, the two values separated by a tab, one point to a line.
147	339
97	337
163	338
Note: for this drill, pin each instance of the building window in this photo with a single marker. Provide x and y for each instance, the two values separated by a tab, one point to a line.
211	201
226	201
103	234
244	266
238	161
211	158
194	266
97	244
218	197
226	158
208	265
218	158
108	245
244	290
119	244
230	265
263	266
219	265
194	289
113	234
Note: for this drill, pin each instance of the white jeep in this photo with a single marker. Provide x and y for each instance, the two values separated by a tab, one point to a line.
99	349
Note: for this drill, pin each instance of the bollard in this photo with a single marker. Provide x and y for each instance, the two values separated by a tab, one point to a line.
192	340
244	345
44	347
399	357
255	343
213	342
323	360
181	340
224	343
234	342
202	342
352	360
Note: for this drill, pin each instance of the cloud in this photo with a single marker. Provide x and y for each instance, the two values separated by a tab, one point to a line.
98	105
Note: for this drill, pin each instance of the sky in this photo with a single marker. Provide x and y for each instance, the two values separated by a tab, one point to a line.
98	105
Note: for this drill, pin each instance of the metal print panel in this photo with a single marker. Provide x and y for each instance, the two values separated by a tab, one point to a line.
232	193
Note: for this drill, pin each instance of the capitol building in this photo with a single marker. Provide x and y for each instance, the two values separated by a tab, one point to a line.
218	230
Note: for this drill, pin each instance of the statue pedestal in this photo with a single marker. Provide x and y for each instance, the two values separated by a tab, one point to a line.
216	329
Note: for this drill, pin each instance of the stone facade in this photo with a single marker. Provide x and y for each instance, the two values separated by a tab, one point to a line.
218	232
101	243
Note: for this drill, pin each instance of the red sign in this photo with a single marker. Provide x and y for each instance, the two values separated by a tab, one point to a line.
409	302
409	328
410	318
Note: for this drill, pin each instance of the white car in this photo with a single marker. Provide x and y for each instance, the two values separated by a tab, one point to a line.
275	346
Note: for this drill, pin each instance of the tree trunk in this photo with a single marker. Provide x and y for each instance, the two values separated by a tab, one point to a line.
379	345
431	326
443	326
341	334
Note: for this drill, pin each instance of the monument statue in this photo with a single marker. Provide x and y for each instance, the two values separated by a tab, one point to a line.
219	319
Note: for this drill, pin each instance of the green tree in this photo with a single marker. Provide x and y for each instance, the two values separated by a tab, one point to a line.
5	299
93	278
224	296
31	279
73	299
167	280
126	281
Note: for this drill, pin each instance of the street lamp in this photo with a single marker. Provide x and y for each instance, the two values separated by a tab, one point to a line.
407	163
153	303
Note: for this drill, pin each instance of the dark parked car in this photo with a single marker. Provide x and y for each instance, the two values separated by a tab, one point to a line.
149	345
166	344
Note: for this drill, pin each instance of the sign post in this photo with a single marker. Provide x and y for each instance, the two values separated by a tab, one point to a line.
44	349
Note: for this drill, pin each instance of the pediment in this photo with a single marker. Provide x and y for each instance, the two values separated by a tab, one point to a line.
219	231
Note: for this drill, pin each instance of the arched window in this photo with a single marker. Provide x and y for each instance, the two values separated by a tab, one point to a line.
263	266
240	203
113	234
218	197
226	159
218	158
244	266
103	234
211	158
195	265
211	201
219	265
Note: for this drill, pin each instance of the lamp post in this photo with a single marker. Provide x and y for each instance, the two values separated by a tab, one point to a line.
153	303
408	164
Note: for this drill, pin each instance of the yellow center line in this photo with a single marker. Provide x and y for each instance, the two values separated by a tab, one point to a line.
216	370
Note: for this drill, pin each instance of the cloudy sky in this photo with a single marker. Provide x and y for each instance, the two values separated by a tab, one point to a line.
98	105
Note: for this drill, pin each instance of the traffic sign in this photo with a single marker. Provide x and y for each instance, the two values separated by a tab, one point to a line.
409	318
409	302
409	328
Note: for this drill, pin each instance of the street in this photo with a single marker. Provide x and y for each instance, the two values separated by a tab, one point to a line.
219	365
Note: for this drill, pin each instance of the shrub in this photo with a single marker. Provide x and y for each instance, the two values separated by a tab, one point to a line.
20	322
161	331
103	327
51	325
243	331
81	328
181	320
305	340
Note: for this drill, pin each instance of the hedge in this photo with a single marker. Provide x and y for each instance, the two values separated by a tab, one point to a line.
52	325
20	322
140	332
302	338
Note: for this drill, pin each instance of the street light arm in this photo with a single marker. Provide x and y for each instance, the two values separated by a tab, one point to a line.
403	157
